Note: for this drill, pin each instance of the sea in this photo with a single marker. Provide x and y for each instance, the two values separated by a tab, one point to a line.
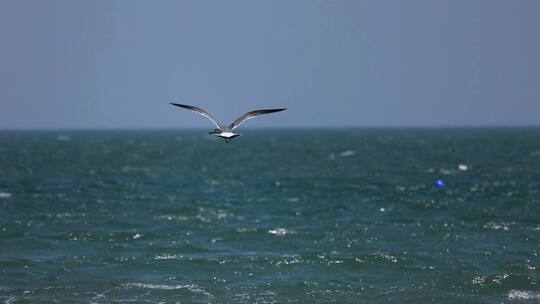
276	216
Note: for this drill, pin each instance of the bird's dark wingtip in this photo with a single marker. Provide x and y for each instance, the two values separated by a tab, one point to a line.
179	105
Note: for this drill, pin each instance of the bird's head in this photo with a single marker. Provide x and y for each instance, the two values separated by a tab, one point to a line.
216	131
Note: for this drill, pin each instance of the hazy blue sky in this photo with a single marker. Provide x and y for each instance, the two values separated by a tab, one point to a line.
117	64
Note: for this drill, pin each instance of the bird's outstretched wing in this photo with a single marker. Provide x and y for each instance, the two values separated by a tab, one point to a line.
199	111
252	114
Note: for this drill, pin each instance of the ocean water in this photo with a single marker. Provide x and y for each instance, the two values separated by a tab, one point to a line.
290	216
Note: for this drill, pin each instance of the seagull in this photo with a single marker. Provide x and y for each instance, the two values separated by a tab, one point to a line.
227	132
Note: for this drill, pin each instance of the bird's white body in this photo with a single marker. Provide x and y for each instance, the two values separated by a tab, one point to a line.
226	132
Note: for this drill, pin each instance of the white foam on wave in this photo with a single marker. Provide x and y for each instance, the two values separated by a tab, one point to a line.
172	217
347	153
10	300
281	231
497	225
63	138
535	153
5	195
446	171
523	295
243	229
168	257
191	287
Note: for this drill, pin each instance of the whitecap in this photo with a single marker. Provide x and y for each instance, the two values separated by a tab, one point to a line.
347	153
63	138
168	257
385	256
445	171
243	229
523	295
5	195
496	226
280	231
172	217
290	261
498	279
479	280
190	287
463	167
535	153
293	199
10	300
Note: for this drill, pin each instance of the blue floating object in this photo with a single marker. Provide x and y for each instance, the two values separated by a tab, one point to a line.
439	183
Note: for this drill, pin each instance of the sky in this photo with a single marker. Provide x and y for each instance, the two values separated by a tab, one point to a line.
336	63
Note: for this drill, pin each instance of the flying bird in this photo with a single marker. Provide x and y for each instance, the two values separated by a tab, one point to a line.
226	132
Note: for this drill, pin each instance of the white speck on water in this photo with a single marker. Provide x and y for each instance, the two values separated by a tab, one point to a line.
499	278
5	195
445	171
385	256
381	209
347	153
63	138
280	231
168	257
523	295
10	300
479	280
535	153
463	167
190	287
137	236
293	199
496	226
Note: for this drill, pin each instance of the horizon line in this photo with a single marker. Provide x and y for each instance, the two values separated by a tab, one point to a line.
374	127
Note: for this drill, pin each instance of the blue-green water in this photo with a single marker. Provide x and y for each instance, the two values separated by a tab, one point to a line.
274	217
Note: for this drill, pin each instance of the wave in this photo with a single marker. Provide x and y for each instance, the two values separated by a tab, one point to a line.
281	231
523	295
191	287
